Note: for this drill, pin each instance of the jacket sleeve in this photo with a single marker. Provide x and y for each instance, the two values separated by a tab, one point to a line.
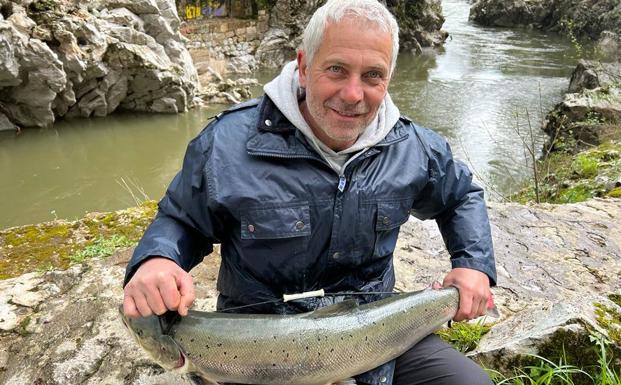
184	227
458	206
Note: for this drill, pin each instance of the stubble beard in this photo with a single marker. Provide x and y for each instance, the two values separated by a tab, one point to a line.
339	131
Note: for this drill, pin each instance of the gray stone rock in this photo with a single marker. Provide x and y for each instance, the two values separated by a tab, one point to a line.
158	27
275	49
509	13
139	7
243	64
589	75
165	105
8	317
9	64
609	44
22	22
124	18
82	64
43	78
6	124
4	359
589	19
591	110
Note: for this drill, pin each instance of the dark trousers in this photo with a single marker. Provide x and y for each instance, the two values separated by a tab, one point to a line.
434	362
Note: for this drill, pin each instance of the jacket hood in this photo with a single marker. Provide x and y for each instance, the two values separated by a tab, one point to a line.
286	93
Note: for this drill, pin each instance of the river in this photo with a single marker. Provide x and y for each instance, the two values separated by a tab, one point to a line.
470	91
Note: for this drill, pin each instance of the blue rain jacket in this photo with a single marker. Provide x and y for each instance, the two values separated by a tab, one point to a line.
287	223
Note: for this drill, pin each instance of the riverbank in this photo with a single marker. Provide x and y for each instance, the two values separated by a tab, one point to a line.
60	244
582	158
559	281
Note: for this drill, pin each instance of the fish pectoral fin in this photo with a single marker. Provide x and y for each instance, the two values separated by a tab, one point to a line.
197	379
347	381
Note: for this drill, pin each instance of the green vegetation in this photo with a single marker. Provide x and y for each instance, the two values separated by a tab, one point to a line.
41	6
609	318
22	328
464	336
58	244
101	247
569	178
565	368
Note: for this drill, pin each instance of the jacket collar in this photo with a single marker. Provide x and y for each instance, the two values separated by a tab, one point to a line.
275	135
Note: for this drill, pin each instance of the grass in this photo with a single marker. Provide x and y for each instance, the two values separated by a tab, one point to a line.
569	178
101	248
547	372
464	336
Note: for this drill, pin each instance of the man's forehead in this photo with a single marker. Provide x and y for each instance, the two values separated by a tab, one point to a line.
337	59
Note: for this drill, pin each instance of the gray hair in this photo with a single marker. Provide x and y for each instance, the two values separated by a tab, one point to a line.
336	10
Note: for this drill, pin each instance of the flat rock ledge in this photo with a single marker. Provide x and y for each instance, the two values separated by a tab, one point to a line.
556	266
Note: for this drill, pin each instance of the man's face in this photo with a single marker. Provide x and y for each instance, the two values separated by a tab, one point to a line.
346	82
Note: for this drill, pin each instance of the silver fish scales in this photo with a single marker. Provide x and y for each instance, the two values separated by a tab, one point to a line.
321	347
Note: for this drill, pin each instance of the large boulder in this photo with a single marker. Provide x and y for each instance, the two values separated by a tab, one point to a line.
557	267
63	59
582	18
509	13
591	108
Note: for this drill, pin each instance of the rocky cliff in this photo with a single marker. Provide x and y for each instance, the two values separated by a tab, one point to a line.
598	20
559	270
78	59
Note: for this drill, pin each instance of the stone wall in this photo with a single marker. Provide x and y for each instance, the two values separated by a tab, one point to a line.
232	40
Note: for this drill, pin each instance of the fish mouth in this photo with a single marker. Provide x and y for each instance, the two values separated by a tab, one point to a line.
181	362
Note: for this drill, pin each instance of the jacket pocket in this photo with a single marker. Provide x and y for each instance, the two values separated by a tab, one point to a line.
391	214
276	222
275	242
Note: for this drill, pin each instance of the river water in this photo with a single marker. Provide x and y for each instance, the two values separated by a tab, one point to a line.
469	91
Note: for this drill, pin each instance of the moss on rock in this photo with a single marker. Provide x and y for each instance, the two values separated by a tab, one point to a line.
59	243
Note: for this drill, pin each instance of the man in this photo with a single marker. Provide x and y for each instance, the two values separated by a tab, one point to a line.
306	188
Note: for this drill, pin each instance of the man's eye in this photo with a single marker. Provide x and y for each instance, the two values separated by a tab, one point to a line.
335	68
374	75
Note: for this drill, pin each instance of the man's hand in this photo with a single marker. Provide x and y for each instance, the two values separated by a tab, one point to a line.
474	292
158	285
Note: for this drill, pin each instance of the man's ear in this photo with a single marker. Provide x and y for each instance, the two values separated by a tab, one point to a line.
302	67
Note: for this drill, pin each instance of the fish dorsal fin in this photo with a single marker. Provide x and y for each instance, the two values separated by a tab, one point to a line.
337	308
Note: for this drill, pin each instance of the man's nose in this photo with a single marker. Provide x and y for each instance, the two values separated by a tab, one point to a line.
352	91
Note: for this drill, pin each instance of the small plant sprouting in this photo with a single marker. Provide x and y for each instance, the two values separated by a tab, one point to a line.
101	248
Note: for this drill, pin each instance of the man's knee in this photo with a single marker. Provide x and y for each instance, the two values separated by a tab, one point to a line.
433	361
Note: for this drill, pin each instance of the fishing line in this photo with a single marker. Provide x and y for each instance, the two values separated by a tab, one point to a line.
311	294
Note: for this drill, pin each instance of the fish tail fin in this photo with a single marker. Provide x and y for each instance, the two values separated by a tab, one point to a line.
492	310
347	381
